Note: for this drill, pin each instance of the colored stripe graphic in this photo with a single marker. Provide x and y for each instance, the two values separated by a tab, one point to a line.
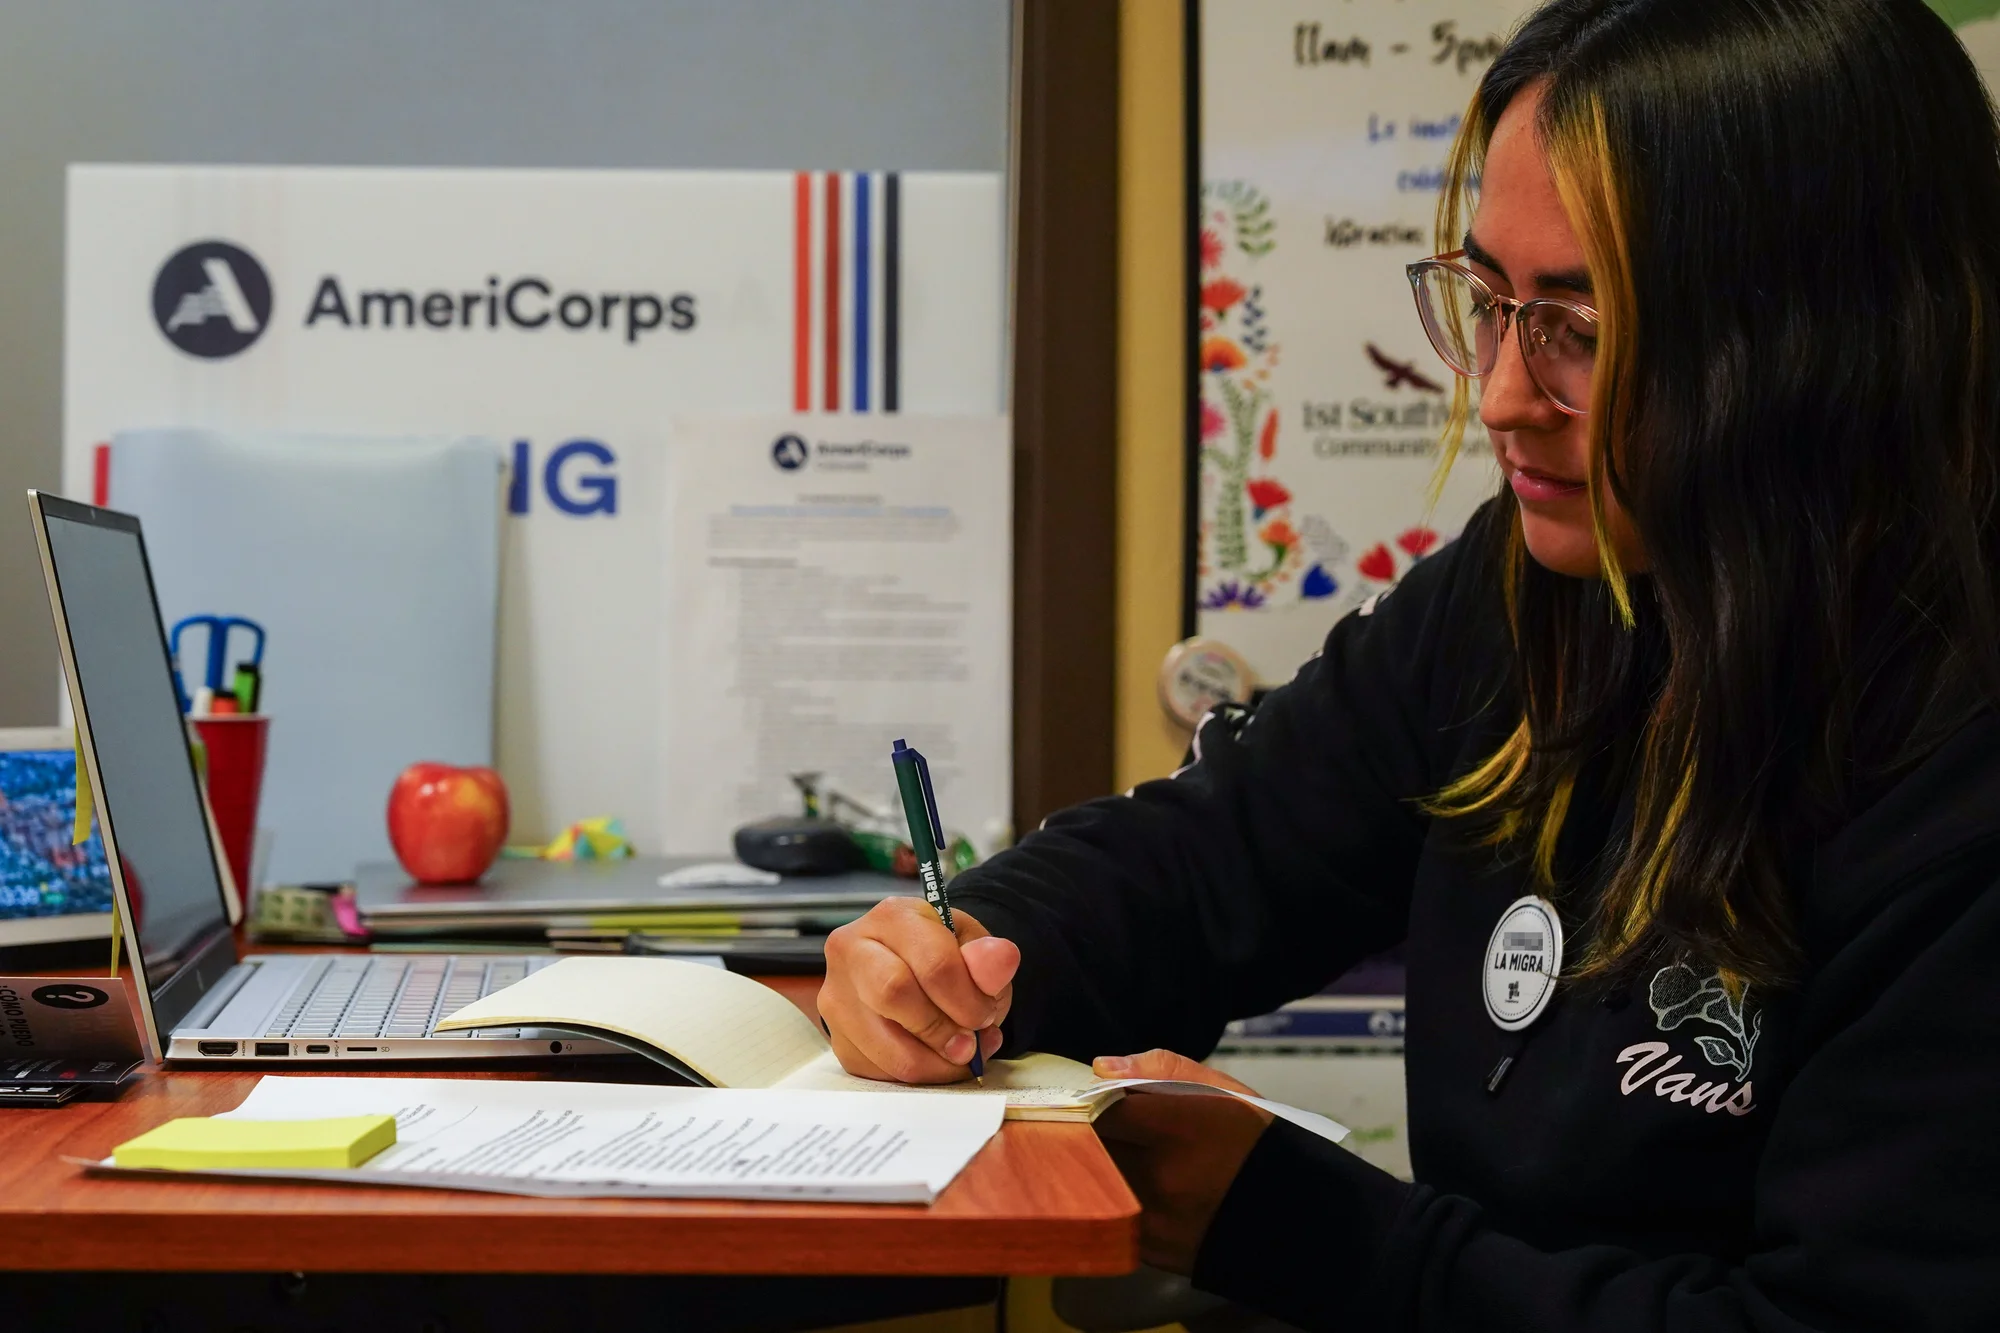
833	291
892	287
802	299
100	475
861	242
869	268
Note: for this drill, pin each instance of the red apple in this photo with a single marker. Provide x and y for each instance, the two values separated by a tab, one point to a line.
447	823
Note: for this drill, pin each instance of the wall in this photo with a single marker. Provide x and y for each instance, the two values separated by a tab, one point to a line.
911	84
1152	387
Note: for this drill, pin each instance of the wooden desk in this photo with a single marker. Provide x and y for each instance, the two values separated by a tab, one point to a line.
1038	1199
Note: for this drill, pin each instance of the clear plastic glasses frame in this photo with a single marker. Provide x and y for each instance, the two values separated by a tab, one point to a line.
1466	321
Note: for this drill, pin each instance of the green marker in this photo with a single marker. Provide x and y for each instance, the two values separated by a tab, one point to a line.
249	684
913	780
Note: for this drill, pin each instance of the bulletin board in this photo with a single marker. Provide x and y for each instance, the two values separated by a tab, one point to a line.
1317	140
1317	148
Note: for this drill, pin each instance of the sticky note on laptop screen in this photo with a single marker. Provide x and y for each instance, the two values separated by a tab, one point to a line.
207	1143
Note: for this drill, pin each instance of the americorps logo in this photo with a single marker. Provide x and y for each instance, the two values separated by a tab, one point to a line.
521	304
212	299
789	452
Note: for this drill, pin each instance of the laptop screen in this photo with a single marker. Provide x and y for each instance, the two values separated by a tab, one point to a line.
149	799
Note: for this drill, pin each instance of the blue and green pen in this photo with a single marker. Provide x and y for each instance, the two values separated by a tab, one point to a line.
913	780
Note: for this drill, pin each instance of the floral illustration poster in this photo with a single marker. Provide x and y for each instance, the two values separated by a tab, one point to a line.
1324	129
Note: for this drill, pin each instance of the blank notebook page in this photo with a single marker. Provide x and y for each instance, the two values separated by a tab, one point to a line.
734	1032
1033	1080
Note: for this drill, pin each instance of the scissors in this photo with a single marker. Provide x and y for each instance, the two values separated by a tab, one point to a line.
218	628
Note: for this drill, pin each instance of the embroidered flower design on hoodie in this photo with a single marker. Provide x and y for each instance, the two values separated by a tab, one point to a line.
1679	994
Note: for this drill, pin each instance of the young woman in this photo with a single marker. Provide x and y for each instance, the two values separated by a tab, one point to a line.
1678	773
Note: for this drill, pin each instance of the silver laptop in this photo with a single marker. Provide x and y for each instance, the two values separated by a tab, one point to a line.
198	1001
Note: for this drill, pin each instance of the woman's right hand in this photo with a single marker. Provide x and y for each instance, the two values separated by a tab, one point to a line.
905	1001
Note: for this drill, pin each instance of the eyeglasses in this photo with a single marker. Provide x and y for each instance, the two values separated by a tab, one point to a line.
1467	320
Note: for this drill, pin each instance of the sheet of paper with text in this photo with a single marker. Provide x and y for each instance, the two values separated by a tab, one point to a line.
834	583
554	1138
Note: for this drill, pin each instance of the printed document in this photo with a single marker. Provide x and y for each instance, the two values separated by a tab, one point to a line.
587	1139
834	583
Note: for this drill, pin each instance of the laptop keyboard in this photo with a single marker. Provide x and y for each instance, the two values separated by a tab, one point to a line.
393	997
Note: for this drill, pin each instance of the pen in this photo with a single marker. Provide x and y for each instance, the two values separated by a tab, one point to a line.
913	780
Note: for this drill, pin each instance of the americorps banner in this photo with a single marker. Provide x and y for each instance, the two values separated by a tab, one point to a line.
565	314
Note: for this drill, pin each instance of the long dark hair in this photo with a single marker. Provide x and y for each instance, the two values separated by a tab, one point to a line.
1791	212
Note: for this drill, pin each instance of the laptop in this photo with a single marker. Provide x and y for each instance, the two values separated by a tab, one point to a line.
198	1003
539	891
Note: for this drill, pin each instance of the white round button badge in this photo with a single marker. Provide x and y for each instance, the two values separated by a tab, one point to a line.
1523	959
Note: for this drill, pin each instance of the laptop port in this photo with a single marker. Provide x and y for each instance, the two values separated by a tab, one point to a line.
216	1047
370	1049
274	1048
319	1050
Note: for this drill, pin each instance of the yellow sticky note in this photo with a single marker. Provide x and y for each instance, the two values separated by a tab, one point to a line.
205	1143
85	807
84	802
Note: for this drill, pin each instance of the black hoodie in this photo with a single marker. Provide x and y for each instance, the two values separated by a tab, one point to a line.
1664	1156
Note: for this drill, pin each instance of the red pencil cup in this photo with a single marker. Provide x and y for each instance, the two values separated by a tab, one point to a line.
235	743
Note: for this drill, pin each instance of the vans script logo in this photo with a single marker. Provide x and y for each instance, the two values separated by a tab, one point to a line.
1678	995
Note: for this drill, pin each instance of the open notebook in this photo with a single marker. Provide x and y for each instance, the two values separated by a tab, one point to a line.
716	1028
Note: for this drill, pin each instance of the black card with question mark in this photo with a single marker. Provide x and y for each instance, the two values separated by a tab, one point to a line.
61	1035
